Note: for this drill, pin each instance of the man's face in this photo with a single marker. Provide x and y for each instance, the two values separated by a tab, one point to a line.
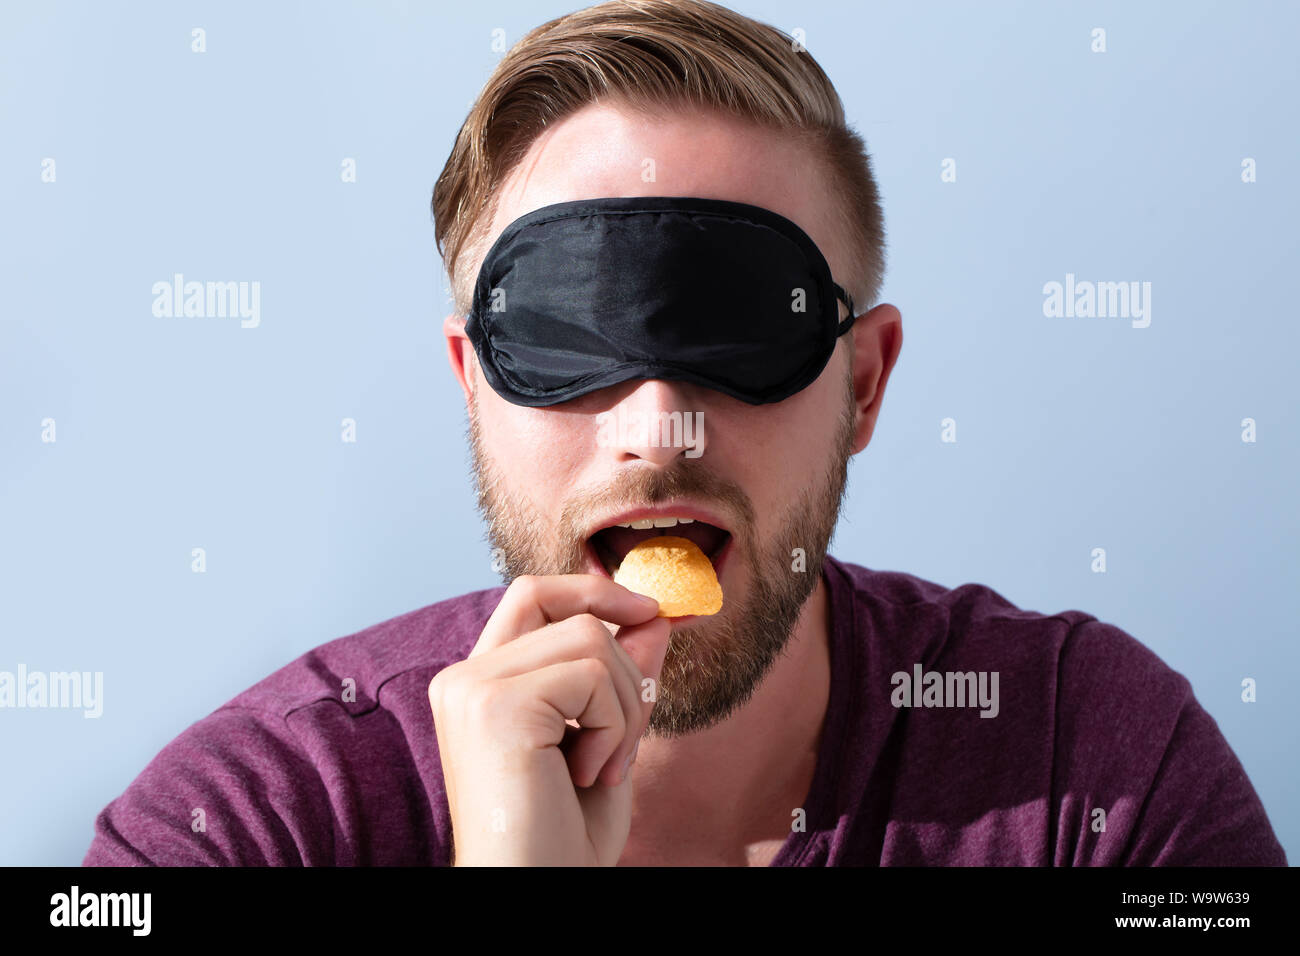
551	479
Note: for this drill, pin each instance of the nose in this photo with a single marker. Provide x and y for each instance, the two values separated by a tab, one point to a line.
655	421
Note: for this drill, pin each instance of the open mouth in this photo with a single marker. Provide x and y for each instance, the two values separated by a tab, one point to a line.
608	546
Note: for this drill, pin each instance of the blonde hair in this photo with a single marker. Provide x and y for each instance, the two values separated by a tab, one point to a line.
654	56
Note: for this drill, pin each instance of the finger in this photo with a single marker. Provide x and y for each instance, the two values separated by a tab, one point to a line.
531	602
584	691
646	644
570	640
585	636
644	647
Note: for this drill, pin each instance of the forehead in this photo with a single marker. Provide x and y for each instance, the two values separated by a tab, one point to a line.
604	150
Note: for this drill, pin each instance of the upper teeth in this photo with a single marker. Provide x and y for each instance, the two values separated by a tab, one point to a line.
654	523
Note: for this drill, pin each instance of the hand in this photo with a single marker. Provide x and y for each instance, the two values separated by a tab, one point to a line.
535	727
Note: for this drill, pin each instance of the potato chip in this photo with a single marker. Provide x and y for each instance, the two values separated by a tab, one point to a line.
675	572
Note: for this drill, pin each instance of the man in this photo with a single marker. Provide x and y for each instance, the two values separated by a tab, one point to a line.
826	714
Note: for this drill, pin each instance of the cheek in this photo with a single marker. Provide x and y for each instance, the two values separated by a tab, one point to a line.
777	452
812	417
776	444
534	449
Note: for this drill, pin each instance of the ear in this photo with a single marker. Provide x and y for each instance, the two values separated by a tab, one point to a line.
877	340
460	354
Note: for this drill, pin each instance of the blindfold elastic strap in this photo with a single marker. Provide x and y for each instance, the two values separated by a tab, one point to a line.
847	299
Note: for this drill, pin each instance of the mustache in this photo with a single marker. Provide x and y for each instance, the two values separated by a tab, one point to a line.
648	487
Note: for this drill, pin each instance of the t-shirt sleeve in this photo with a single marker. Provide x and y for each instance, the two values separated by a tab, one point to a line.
1202	809
234	789
1142	748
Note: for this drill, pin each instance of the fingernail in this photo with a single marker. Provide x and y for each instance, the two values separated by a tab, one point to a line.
644	599
630	757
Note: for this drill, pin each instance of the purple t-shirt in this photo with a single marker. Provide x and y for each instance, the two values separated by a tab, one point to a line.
1094	751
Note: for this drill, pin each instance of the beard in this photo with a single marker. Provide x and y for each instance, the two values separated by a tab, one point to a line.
713	665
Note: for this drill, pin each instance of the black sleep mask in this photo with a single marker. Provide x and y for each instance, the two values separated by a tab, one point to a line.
578	296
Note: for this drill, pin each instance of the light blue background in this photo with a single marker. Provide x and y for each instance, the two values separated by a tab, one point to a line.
175	434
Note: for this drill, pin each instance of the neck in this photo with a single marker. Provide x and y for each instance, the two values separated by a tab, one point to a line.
718	791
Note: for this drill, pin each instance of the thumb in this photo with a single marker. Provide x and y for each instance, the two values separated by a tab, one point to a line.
647	645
